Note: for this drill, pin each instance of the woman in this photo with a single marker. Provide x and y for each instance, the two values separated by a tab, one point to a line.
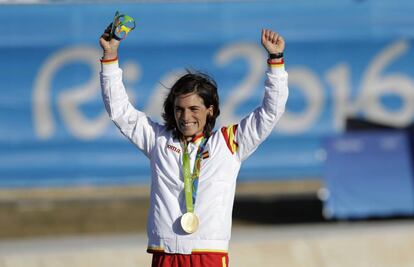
194	168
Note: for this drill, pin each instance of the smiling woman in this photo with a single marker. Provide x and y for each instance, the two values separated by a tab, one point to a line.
191	115
190	212
192	106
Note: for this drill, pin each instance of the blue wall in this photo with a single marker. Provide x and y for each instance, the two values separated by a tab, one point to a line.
368	174
343	58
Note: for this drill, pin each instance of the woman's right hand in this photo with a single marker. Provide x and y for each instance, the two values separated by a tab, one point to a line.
109	46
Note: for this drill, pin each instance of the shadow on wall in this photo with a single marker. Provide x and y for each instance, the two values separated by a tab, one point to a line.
298	209
278	209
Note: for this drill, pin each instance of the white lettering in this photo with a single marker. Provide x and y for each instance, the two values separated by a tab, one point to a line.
310	86
255	59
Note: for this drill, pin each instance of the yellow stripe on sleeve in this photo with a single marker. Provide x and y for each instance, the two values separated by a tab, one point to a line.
229	134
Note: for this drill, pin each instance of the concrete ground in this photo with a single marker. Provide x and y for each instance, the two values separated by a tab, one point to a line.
274	225
369	244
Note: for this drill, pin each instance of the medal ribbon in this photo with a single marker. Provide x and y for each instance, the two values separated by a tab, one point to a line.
191	180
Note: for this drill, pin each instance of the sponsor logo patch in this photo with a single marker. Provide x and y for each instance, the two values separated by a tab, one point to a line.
173	148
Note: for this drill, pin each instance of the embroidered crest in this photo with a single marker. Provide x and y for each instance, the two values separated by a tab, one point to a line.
205	155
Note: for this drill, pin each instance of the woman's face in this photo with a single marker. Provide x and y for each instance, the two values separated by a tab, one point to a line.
191	114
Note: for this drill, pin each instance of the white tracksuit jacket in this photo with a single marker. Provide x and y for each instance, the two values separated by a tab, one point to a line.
226	149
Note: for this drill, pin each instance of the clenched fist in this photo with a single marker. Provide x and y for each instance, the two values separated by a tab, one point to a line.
109	46
272	41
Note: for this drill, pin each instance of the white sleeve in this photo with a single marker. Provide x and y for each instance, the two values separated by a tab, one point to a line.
257	126
134	124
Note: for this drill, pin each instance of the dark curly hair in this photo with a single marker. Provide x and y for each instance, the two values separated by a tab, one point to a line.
192	82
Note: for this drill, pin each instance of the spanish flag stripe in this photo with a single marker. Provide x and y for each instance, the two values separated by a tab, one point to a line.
232	135
206	251
194	251
226	137
205	155
229	134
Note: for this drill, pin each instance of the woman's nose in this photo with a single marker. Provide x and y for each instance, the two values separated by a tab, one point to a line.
185	115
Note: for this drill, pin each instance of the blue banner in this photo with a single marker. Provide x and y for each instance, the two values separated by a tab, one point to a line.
380	186
343	58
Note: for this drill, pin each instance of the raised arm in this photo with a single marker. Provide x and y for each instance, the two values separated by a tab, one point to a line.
134	124
257	126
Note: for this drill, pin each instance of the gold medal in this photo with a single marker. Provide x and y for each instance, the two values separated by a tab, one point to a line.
189	222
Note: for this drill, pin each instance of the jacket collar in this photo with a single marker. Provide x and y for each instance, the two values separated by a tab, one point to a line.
196	140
